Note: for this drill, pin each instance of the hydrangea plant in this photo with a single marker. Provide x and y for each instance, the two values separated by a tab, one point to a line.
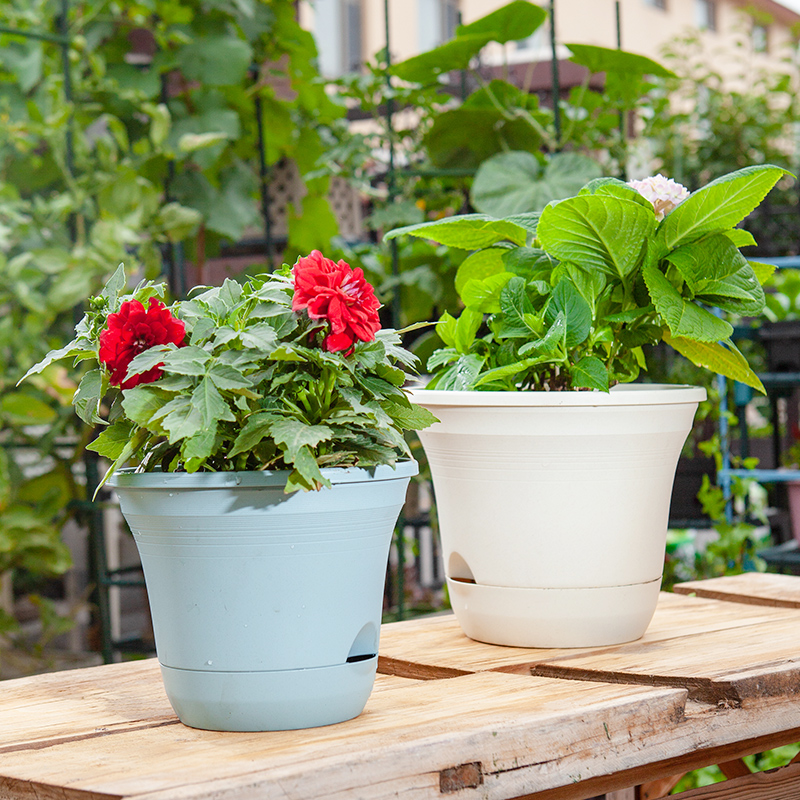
291	370
567	299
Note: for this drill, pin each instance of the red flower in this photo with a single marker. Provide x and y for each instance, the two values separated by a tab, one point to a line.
132	331
339	294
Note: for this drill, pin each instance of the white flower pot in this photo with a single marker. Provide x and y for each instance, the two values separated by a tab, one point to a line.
266	606
553	508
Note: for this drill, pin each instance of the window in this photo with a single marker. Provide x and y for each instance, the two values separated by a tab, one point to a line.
759	36
338	33
662	4
438	20
706	14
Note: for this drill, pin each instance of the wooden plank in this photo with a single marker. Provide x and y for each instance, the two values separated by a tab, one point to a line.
759	662
751	588
526	733
437	648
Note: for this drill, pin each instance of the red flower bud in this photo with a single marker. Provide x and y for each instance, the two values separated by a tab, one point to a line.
338	294
131	331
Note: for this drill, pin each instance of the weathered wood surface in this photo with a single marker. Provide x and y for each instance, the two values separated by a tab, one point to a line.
478	724
752	588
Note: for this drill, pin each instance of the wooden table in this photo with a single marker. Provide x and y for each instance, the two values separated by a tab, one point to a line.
716	677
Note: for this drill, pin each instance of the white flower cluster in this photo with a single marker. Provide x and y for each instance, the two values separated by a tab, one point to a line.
664	193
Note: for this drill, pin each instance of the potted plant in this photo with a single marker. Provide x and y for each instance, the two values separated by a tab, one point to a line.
266	424
552	470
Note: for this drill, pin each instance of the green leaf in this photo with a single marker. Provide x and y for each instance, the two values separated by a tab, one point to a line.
199	447
453	55
484	295
686	320
589	373
603	59
468	232
141	402
20	408
228	377
295	435
190	142
211	405
446	329
216	60
89	395
412	417
499	374
112	441
763	272
469	321
512	22
567	300
721	359
479	265
257	427
461	376
306	473
189	360
514	182
718	206
180	418
597	231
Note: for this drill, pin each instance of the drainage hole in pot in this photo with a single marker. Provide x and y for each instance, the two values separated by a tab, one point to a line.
364	657
365	645
458	569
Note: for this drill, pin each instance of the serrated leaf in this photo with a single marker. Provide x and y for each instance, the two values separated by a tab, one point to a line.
306	473
295	435
721	359
589	373
210	403
718	206
461	376
142	402
190	360
89	395
257	427
225	376
484	295
763	272
565	299
411	417
180	418
112	440
597	231
468	231
685	319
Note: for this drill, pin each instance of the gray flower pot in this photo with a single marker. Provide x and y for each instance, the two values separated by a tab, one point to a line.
266	607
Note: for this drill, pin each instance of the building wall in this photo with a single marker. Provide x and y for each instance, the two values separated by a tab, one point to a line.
645	28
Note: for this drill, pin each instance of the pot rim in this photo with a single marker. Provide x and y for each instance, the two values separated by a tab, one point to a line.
128	478
627	394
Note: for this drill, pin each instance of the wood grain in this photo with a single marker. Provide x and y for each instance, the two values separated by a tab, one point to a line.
710	682
751	588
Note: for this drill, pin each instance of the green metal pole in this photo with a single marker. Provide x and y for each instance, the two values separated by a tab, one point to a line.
391	185
556	82
623	132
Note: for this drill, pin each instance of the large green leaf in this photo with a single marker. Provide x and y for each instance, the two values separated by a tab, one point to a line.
721	359
464	137
216	60
469	231
453	55
603	59
514	21
718	206
479	265
597	232
514	182
686	320
589	373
